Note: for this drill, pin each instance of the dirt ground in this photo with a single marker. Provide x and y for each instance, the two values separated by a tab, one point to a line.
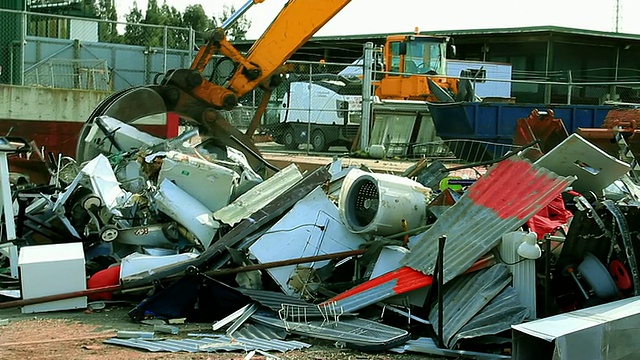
79	334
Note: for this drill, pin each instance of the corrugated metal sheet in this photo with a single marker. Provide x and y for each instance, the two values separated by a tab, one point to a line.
390	284
510	193
428	346
465	296
260	331
209	344
259	196
499	315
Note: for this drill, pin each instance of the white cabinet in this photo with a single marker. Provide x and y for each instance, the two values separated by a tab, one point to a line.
51	270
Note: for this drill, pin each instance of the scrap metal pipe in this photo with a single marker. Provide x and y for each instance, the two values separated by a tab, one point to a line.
212	273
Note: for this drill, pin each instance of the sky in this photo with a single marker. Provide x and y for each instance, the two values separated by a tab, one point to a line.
382	16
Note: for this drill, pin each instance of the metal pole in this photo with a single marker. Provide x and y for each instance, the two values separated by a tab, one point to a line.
212	273
617	15
365	124
236	15
614	89
440	266
165	43
7	202
570	88
23	44
192	41
309	109
547	68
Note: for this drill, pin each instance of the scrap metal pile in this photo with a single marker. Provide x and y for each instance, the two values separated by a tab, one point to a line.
424	261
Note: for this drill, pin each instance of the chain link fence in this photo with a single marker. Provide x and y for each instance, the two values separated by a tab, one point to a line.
78	53
317	107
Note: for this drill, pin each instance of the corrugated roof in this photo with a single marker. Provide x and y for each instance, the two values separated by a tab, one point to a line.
487	31
503	199
465	296
209	344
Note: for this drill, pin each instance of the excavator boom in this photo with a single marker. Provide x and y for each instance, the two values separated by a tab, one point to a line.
294	26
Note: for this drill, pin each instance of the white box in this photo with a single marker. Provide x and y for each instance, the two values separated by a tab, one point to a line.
209	183
51	270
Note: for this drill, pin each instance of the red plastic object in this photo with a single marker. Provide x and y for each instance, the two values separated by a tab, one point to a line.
620	275
106	277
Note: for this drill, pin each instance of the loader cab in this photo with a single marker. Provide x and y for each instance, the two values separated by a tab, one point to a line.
411	63
416	54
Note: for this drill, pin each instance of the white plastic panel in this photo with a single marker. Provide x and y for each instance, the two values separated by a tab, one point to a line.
210	183
312	227
187	211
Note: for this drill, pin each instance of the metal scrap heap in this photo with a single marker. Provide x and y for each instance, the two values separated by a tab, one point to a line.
424	261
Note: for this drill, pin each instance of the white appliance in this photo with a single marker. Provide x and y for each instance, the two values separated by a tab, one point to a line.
379	204
52	270
210	183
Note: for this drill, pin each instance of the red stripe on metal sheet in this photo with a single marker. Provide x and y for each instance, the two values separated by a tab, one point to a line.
513	187
407	280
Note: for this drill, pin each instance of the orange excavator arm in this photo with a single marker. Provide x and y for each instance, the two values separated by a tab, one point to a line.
294	25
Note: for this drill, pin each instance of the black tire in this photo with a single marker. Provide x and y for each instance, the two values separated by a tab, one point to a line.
289	140
319	141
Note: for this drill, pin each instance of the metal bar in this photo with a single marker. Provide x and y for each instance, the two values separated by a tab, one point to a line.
302	260
213	273
440	276
23	42
255	121
365	123
42	299
547	276
7	201
165	44
48	57
489	162
238	14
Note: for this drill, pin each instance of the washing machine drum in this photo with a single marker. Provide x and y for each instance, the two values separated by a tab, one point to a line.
379	203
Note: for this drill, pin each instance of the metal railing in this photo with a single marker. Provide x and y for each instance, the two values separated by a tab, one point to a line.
86	74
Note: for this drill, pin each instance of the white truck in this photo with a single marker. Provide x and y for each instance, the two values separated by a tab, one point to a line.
323	110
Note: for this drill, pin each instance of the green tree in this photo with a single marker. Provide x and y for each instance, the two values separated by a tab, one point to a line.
196	18
134	34
238	30
108	31
176	38
153	36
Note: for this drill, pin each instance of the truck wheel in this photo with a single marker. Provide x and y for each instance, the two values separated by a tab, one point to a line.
318	141
289	140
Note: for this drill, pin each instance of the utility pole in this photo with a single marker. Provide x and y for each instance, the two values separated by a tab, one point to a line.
617	15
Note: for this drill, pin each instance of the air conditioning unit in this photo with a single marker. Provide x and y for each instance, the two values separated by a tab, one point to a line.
379	204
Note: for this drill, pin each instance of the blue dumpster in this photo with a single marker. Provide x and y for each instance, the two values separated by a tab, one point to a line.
496	122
